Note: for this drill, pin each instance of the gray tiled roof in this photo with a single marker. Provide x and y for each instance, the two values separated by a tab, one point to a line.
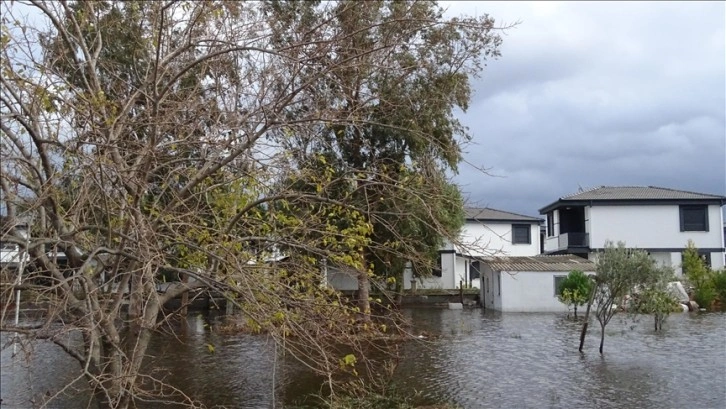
487	214
637	192
618	194
540	263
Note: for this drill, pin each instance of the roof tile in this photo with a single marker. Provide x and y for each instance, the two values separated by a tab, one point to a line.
488	214
637	192
540	263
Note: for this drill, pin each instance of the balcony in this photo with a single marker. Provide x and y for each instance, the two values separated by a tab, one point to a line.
569	242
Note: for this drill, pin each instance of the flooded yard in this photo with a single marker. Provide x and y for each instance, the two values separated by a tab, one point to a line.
472	358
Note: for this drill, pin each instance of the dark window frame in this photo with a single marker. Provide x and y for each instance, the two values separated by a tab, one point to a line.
706	257
437	271
474	270
690	225
550	224
527	228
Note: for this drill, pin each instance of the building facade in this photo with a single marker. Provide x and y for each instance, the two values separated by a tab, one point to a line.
486	233
659	220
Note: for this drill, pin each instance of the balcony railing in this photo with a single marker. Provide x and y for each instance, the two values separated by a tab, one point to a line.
570	240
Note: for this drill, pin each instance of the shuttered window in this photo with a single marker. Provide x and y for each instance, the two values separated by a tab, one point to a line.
521	234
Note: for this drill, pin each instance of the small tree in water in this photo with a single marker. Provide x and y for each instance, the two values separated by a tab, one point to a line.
699	276
655	298
575	289
619	271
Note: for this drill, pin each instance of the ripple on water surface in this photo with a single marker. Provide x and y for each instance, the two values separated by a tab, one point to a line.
476	359
492	360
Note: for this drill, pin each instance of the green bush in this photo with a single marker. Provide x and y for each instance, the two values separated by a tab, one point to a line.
704	296
719	285
575	289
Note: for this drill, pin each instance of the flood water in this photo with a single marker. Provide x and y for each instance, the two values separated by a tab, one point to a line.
471	358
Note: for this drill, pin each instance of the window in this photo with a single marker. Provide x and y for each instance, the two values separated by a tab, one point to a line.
558	283
499	283
706	257
436	271
550	224
474	270
694	218
521	234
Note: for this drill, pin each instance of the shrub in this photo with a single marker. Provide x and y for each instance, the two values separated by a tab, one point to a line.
575	289
704	296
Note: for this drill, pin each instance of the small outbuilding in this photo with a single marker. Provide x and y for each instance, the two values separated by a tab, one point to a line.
527	284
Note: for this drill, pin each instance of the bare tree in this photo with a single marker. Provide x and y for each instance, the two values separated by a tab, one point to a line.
146	139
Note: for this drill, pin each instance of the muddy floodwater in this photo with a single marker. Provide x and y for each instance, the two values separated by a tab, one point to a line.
471	358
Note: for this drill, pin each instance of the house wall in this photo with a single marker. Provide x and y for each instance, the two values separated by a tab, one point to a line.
551	242
342	280
495	239
461	272
531	291
650	226
489	291
448	270
446	281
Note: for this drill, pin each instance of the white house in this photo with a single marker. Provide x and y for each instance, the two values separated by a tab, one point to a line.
527	284
486	233
658	220
11	256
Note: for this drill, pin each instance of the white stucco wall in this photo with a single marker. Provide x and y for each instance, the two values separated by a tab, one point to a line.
489	292
446	281
343	280
461	272
650	227
495	239
531	291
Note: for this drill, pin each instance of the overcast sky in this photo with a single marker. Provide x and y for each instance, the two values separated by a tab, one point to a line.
589	94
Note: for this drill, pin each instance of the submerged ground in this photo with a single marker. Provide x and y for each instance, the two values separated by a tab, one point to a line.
473	358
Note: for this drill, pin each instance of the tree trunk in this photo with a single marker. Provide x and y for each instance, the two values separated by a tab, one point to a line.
135	296
575	311
185	298
602	337
587	317
364	303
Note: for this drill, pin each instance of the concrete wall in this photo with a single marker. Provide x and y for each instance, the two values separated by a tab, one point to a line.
530	291
650	227
523	291
495	239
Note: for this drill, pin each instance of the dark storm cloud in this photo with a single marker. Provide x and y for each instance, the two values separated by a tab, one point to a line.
589	94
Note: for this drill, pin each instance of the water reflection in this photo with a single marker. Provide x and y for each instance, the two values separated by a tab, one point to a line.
473	358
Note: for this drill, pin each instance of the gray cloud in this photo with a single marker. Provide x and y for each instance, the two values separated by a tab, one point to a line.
589	94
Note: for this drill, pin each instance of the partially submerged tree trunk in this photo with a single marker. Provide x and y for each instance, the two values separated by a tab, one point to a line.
586	322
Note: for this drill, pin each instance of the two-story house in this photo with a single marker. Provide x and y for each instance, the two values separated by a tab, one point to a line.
486	233
658	220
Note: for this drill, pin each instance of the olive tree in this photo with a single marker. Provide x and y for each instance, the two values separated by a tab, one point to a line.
655	299
148	139
619	271
575	289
